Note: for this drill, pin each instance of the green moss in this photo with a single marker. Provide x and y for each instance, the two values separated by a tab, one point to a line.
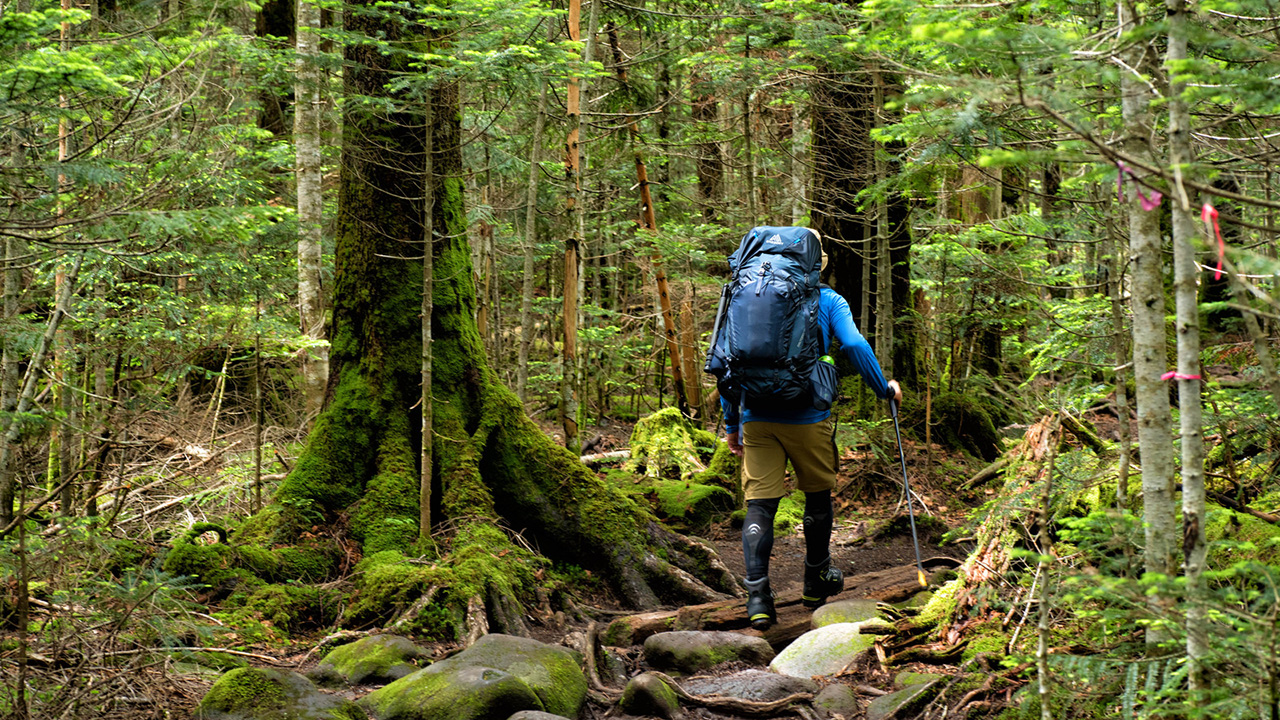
267	694
387	518
241	689
665	444
290	608
1234	537
943	603
790	514
724	471
985	638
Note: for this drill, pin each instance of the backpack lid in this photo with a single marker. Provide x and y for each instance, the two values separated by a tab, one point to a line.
800	244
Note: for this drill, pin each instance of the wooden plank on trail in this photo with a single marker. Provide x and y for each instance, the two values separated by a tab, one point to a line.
891	585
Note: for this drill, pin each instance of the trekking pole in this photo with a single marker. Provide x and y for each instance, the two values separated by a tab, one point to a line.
906	486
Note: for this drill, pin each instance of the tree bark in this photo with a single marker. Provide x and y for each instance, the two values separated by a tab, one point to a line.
1150	356
1187	299
307	118
357	474
709	165
530	245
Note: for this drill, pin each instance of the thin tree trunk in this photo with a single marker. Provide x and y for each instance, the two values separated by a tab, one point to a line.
884	264
709	164
572	244
1121	349
1150	356
28	394
649	221
796	163
309	76
1187	297
426	458
257	409
688	348
530	245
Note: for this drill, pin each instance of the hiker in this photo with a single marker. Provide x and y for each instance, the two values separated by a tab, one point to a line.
776	395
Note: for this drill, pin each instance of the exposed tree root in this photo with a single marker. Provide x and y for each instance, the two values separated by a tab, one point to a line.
736	705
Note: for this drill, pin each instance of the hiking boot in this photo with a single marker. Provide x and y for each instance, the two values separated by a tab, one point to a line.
760	604
820	583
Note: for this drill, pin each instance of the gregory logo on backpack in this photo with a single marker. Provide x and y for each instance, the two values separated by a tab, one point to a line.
766	341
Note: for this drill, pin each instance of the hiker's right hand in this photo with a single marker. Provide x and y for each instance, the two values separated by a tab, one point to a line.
734	446
895	391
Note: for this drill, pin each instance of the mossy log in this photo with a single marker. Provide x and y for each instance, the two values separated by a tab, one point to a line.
495	475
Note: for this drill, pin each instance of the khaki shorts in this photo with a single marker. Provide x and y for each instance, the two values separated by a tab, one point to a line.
767	446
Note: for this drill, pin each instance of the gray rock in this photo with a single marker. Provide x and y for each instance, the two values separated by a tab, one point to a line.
754	685
498	675
265	694
903	702
837	699
374	659
648	694
689	651
535	715
845	611
825	651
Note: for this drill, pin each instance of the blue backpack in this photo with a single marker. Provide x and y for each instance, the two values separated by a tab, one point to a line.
766	343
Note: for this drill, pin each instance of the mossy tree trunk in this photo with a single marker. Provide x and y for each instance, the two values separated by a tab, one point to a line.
494	470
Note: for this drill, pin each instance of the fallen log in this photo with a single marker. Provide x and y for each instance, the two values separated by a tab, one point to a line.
891	585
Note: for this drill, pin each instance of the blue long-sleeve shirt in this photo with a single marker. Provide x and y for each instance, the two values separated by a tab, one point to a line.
834	317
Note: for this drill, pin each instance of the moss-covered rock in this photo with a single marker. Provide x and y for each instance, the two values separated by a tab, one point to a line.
688	651
290	608
374	659
903	702
665	444
266	694
521	668
466	693
824	651
649	695
845	611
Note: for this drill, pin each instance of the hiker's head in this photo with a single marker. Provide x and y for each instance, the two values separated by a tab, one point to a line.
818	236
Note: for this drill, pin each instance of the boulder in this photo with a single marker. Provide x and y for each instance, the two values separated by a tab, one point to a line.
464	693
824	651
265	694
647	694
535	715
837	699
845	611
498	675
907	677
375	659
903	702
688	651
753	685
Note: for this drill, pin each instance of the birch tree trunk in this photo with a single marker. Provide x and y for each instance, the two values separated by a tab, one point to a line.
309	76
1187	297
1150	356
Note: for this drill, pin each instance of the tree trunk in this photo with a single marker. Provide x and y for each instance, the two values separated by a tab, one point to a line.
357	473
276	20
1187	298
710	167
530	245
307	118
1150	357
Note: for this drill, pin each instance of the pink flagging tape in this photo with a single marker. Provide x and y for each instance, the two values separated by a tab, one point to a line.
1209	215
